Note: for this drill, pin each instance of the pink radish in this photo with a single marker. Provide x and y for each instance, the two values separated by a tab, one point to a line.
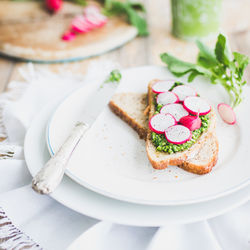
90	10
183	91
175	109
195	105
68	36
159	123
167	98
191	122
178	134
53	5
96	21
80	25
94	16
162	86
226	113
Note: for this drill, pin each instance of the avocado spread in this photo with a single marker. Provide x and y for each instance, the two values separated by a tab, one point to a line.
161	143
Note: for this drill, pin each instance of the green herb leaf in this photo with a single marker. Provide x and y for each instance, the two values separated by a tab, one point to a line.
114	76
131	11
206	56
221	50
80	2
221	67
242	61
176	66
180	68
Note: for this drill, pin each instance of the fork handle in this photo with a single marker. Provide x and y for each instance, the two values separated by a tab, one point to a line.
50	176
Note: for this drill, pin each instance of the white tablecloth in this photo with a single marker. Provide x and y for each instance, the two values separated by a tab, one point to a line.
54	226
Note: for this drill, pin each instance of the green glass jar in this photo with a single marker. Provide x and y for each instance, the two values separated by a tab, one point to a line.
194	19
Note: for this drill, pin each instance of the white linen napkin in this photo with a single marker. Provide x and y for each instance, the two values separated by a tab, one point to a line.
54	226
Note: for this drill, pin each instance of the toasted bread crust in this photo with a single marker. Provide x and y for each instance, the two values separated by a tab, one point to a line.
142	132
202	168
161	160
187	161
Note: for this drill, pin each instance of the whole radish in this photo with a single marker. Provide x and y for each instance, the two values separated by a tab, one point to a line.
53	5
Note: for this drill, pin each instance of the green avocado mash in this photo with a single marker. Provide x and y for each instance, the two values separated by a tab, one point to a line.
163	145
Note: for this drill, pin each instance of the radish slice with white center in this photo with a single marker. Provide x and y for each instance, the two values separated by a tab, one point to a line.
162	86
94	16
159	123
96	21
183	91
226	113
80	25
175	109
90	10
167	98
196	105
178	134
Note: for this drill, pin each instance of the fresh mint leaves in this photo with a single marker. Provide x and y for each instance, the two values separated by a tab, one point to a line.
219	65
132	11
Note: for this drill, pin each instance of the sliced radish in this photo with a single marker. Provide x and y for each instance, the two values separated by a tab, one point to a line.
81	25
178	134
90	10
162	86
167	98
94	16
226	113
159	122
195	105
183	91
68	36
191	122
175	109
96	21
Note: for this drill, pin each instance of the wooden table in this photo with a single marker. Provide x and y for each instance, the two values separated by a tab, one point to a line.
142	51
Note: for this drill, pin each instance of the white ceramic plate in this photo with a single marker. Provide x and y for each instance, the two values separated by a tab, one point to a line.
84	201
112	160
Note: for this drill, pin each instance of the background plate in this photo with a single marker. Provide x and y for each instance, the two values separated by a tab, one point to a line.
112	160
92	204
41	33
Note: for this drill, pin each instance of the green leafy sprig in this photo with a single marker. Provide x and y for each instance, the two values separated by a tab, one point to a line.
219	65
114	76
131	10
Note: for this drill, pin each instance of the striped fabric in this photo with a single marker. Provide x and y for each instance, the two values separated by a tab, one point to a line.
12	238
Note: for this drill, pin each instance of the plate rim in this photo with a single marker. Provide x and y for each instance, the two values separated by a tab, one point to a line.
134	200
29	140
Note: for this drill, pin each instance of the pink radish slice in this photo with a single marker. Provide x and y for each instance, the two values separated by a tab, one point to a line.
162	86
191	122
96	21
91	10
94	16
183	91
159	122
196	105
80	25
178	134
226	113
69	36
175	109
167	98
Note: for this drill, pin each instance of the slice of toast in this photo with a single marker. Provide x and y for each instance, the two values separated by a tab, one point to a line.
200	161
130	107
161	160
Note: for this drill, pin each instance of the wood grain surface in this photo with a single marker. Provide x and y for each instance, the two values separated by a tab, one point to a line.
142	51
30	32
